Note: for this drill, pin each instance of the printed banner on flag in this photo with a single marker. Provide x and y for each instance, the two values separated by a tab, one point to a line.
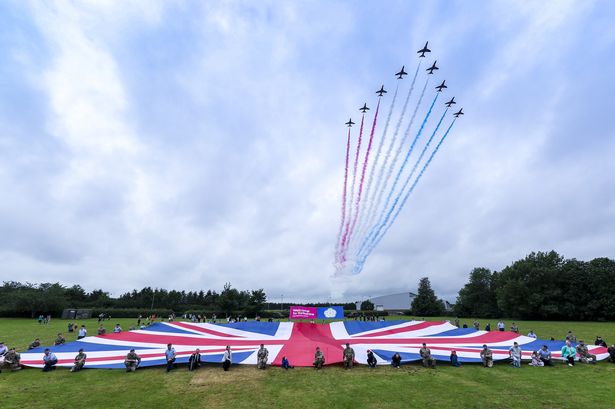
333	312
298	313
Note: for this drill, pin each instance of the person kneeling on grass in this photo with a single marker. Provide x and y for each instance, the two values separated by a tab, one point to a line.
132	361
195	360
515	355
428	361
169	355
12	360
584	355
319	358
454	359
486	356
50	360
371	359
569	353
79	361
227	359
611	351
396	360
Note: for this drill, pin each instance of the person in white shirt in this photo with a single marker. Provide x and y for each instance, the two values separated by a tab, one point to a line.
117	328
531	334
82	332
227	359
501	326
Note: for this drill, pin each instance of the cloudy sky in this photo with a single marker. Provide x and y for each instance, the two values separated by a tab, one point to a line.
188	144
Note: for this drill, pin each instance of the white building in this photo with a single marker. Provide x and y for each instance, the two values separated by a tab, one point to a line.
397	302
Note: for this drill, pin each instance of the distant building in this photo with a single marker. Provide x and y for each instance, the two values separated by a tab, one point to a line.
397	302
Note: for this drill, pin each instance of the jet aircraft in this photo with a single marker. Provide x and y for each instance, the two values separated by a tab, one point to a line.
431	69
441	86
424	50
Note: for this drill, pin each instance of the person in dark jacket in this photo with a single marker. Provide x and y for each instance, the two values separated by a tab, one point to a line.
600	342
454	359
286	364
371	359
194	362
396	360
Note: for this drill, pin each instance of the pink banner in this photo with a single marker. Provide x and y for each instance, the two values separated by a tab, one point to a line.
298	313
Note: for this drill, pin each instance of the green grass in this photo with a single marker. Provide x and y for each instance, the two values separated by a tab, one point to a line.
471	386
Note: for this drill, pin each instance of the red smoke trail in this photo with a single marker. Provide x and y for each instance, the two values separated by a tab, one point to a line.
357	204
342	254
339	235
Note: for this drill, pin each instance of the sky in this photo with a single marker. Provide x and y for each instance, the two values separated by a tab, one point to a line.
186	144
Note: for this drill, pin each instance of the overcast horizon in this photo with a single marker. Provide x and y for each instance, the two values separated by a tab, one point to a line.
183	145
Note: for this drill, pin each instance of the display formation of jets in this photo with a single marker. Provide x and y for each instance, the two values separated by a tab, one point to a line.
400	75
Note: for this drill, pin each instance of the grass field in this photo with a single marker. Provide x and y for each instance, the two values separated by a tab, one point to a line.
470	386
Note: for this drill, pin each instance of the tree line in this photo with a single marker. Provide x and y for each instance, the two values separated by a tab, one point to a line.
17	299
542	286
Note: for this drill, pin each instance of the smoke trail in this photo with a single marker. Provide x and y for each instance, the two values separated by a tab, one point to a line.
397	177
344	194
360	263
383	185
378	151
354	179
365	163
408	178
366	217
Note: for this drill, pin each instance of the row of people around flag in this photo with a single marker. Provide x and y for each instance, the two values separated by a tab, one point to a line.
541	357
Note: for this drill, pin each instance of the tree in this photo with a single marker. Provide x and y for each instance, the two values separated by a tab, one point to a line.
426	303
477	298
367	305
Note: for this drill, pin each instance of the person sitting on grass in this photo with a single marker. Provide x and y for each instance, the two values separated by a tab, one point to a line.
79	361
611	351
371	359
194	362
59	339
50	360
600	342
82	332
396	360
35	344
536	361
117	329
319	359
454	359
286	364
101	330
132	361
571	337
531	334
488	327
545	355
584	355
514	328
11	360
569	353
515	355
486	356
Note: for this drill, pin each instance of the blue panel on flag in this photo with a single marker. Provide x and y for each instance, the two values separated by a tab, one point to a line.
336	312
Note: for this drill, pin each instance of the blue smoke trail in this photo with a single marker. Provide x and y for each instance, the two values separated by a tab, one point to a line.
378	152
397	177
361	262
408	178
397	153
367	216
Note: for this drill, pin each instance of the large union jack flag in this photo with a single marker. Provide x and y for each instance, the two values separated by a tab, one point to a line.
297	341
